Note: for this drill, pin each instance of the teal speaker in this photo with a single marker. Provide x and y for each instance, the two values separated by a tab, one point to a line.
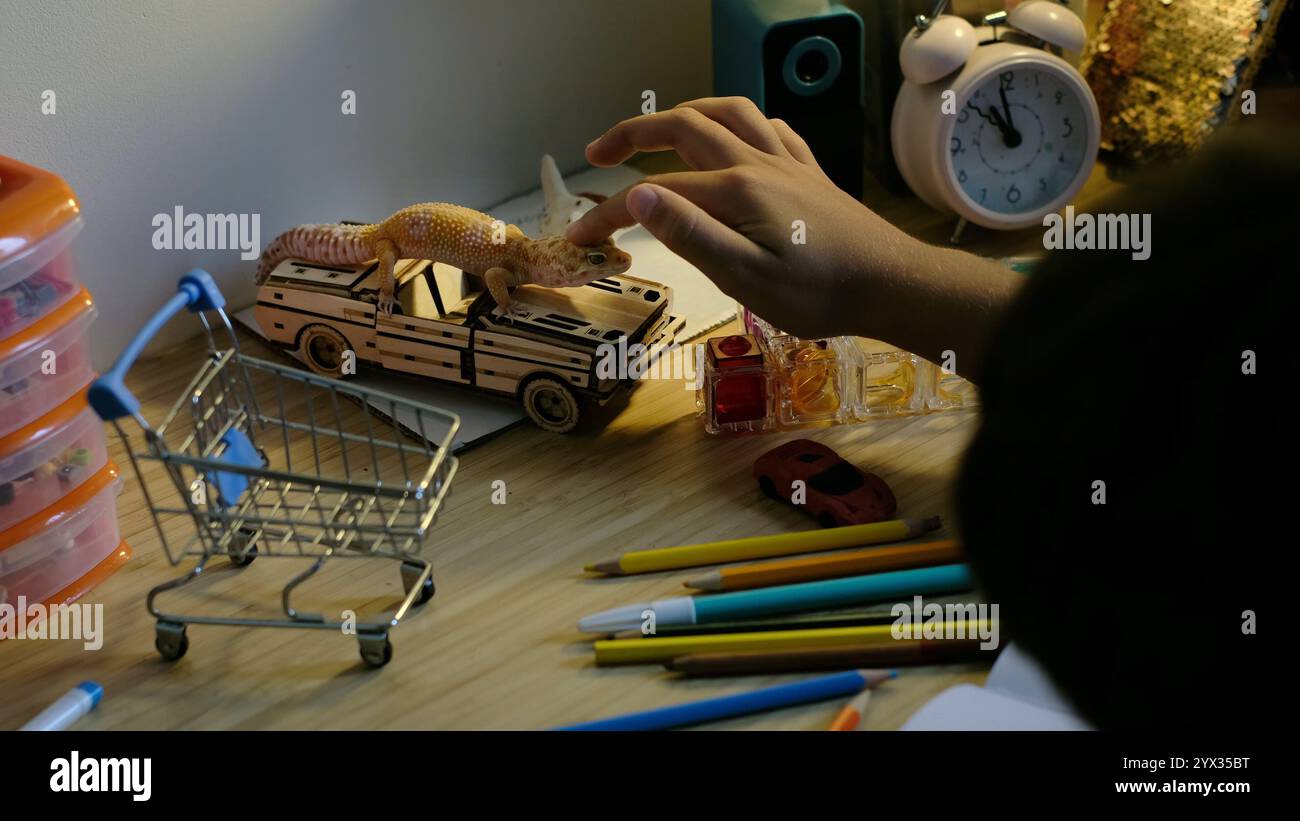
801	61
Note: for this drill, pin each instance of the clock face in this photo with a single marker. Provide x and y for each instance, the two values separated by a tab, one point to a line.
1019	140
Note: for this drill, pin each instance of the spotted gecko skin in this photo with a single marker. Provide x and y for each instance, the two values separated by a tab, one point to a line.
461	237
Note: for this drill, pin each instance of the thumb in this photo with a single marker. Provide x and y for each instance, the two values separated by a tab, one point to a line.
693	234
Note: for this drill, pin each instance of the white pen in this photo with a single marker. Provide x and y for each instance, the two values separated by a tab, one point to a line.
64	713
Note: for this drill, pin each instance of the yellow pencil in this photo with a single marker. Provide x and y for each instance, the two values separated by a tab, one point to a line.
658	651
762	547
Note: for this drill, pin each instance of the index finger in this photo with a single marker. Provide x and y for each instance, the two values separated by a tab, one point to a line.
702	143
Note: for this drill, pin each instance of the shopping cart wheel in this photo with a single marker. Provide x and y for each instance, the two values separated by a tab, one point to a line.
249	550
376	649
171	640
426	591
410	575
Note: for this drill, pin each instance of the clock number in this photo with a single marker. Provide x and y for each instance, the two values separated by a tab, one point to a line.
1060	95
963	115
1062	158
1006	79
983	193
1042	184
961	175
956	146
1013	194
1069	127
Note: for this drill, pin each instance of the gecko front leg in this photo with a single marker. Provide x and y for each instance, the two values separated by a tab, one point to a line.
499	281
386	253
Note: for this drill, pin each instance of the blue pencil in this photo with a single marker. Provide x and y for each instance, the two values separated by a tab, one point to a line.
756	701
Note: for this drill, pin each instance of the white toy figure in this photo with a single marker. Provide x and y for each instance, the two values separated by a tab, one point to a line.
562	206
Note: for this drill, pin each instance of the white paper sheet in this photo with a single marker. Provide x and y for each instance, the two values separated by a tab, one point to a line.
1017	695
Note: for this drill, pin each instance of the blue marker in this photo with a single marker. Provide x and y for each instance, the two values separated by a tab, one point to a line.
64	713
756	701
786	598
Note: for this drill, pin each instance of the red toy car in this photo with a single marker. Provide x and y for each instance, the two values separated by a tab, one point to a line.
838	493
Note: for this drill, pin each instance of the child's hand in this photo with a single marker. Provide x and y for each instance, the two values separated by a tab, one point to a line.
757	215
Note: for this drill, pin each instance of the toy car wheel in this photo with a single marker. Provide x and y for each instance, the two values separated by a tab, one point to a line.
827	520
550	404
768	487
323	348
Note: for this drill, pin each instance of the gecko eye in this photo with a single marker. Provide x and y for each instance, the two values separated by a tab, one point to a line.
596	258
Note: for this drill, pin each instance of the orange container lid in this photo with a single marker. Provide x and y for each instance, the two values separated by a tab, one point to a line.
56	418
93	577
34	335
55	514
34	205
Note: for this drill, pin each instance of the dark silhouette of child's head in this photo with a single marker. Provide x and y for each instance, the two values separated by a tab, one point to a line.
1130	373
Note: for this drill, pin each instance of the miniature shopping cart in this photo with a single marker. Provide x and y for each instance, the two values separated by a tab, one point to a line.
257	459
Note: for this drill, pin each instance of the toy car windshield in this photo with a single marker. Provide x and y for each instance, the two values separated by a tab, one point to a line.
838	480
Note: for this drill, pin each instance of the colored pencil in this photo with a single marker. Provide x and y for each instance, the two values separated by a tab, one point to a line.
754	701
900	653
796	621
762	547
851	716
658	651
835	565
788	598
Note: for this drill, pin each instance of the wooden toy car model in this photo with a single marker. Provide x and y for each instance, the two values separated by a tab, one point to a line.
446	327
837	492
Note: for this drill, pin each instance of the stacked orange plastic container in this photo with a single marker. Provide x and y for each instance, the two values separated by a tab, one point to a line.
58	488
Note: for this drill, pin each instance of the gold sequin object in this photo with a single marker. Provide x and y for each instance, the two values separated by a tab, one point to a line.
1167	73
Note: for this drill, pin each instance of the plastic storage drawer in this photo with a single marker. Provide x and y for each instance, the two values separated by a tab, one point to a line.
39	217
42	462
45	364
58	552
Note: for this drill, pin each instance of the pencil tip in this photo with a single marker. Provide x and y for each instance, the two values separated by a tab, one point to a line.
709	581
610	568
874	677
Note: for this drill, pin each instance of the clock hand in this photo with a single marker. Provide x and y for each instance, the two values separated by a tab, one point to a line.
971	105
1010	137
1006	108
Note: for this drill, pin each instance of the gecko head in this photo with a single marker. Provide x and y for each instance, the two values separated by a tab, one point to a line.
588	262
605	258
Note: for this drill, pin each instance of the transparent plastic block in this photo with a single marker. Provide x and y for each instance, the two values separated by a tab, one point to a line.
945	391
810	381
887	380
735	394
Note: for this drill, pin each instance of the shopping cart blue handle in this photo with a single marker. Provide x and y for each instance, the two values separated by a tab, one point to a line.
108	394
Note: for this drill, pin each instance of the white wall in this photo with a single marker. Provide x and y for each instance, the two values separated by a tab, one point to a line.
234	106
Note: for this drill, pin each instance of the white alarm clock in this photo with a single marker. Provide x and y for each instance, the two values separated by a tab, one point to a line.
1017	136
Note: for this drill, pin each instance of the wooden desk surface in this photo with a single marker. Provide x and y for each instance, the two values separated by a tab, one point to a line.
497	647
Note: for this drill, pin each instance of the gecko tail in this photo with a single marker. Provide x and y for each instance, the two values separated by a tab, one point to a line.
327	244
